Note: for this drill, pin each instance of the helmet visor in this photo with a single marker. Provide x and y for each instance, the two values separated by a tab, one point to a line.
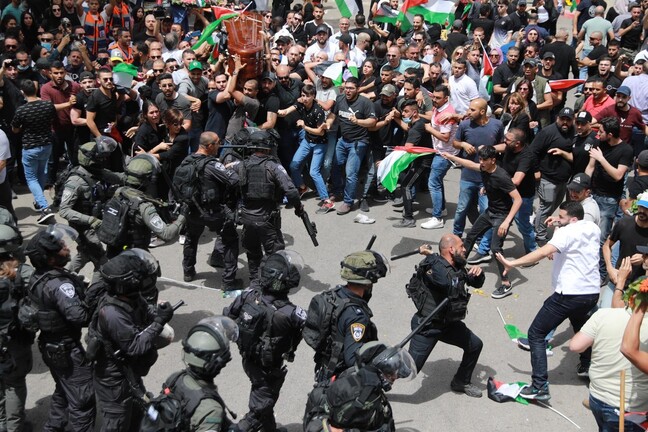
224	325
62	233
396	364
105	145
149	262
293	258
155	164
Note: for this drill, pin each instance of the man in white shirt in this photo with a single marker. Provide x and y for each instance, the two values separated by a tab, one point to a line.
462	88
576	282
322	43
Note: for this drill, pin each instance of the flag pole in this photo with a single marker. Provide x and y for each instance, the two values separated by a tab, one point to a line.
485	54
501	316
622	403
557	412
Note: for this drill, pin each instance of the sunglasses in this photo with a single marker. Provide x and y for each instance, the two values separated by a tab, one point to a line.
107	79
56	9
158	70
46	40
283	78
156	57
11	47
417	39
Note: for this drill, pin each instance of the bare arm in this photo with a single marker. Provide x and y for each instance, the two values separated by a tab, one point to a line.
630	343
90	122
580	342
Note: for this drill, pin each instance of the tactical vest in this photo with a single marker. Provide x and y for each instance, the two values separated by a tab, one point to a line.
191	398
90	207
50	320
8	306
95	29
138	233
255	180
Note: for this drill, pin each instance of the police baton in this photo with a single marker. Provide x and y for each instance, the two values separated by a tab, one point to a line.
410	253
423	323
371	242
178	305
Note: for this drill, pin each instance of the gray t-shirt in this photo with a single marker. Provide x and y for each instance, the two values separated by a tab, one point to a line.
180	103
187	87
241	112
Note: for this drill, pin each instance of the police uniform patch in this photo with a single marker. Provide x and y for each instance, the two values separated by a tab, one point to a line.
282	169
301	313
357	331
157	222
67	194
587	147
68	290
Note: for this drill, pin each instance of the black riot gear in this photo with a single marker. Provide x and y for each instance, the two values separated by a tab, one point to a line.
281	272
131	272
47	243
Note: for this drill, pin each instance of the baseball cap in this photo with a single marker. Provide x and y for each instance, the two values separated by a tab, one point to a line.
388	90
522	3
579	182
269	76
641	57
458	24
584	117
531	62
195	65
86	75
642	200
624	90
566	112
642	159
345	38
443	44
116	55
284	40
548	54
322	29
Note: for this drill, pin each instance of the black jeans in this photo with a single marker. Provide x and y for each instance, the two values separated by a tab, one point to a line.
260	237
456	334
484	222
408	180
266	385
556	309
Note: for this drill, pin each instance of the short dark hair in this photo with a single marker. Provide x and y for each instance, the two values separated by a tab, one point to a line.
410	103
309	90
442	89
611	126
487	152
614	42
142	47
518	134
165	76
353	80
416	83
360	19
57	64
573	209
28	87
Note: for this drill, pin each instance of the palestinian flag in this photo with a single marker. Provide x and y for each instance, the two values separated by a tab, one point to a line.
486	77
348	8
385	14
565	84
396	162
433	11
220	15
336	73
513	332
505	392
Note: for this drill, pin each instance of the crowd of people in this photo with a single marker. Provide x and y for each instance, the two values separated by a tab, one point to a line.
144	133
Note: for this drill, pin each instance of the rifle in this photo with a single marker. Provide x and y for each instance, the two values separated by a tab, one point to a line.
311	228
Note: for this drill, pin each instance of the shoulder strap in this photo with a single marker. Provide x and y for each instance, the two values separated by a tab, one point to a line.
84	175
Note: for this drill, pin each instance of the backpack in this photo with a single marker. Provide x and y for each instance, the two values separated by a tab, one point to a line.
173	408
355	399
62	178
188	177
254	319
114	226
323	312
416	288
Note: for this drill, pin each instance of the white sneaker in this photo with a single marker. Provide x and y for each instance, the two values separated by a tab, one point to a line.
182	239
430	211
433	223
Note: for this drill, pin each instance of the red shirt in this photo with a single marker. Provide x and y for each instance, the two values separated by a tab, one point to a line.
629	119
58	96
594	108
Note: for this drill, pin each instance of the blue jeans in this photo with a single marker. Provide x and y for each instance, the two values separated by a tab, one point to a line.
34	162
556	309
352	154
305	149
524	225
440	167
469	196
608	207
327	165
607	417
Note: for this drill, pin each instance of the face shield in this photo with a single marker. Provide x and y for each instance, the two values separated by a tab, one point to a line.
382	263
105	145
293	258
395	363
62	234
149	262
223	325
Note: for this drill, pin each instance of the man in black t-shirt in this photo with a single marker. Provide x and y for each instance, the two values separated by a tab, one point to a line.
639	182
505	74
356	115
607	167
631	30
520	163
584	140
103	104
504	201
414	126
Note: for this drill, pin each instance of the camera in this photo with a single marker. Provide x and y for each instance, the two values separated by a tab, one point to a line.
76	37
66	23
159	12
102	61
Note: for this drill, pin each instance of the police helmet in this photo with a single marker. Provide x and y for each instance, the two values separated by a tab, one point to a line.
392	362
131	272
142	170
206	348
281	271
364	267
10	239
91	153
48	242
262	139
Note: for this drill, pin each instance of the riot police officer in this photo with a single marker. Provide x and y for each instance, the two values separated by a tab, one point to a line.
356	399
128	331
132	215
84	194
270	329
58	296
205	352
444	275
211	208
15	341
353	327
263	184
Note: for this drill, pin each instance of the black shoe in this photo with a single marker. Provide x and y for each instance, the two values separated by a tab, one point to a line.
478	258
47	217
503	291
468	389
380	199
398	202
531	393
582	370
234	285
364	205
216	261
189	275
405	223
36	207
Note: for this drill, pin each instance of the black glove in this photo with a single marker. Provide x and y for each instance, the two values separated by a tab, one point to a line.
184	209
299	210
164	313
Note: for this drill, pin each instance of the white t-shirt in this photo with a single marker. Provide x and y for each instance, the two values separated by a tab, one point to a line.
462	91
5	153
330	49
576	264
606	327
